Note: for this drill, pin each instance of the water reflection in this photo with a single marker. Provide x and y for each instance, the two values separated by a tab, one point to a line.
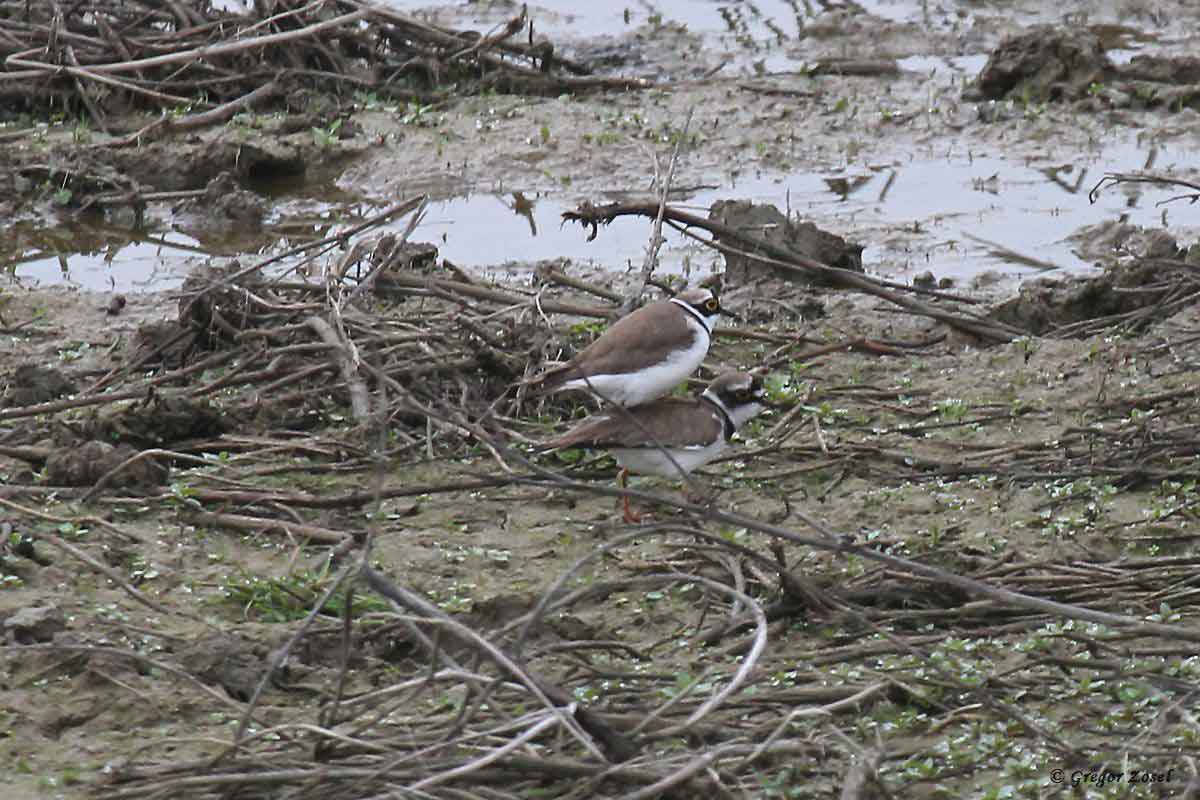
959	215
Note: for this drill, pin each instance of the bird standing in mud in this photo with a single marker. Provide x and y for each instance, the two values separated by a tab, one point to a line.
644	355
673	436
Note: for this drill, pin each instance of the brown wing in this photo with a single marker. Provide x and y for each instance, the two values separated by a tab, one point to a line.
673	422
633	341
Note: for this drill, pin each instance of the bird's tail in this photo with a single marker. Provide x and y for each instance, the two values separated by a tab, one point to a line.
549	381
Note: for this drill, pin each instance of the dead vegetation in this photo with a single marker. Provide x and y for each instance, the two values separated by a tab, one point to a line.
108	58
1008	588
768	649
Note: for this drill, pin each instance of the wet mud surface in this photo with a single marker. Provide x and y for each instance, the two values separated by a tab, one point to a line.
164	544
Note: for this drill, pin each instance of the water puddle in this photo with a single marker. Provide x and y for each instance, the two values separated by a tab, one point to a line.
104	256
483	231
944	65
959	214
96	256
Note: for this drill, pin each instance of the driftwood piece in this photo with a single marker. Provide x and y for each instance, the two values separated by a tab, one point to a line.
592	216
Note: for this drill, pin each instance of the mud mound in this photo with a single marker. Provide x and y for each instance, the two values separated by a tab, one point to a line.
161	421
33	624
1047	63
194	163
1163	69
1114	242
1044	63
85	465
228	661
162	344
767	223
1048	306
30	384
224	205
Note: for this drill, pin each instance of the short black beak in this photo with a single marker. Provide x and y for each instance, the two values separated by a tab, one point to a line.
727	313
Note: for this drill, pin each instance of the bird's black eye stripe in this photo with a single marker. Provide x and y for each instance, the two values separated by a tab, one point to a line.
712	304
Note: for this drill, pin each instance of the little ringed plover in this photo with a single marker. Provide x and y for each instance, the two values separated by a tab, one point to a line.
671	435
645	354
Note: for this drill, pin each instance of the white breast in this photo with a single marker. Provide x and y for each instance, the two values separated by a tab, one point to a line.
652	461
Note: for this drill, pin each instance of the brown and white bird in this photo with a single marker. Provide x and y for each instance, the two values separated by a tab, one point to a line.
671	436
644	355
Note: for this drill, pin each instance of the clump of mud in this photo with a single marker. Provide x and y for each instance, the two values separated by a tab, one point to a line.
33	624
1047	63
86	464
1044	63
166	345
768	223
161	421
229	661
1144	269
223	205
31	384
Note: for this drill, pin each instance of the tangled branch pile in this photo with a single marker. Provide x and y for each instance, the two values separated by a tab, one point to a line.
108	56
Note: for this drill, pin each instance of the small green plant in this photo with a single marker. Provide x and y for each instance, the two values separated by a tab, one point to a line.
327	137
247	119
952	410
781	389
571	456
455	598
183	494
70	530
826	413
75	351
1026	346
415	114
292	597
588	329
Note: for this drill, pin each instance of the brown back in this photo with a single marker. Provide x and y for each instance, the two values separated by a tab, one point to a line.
671	422
644	337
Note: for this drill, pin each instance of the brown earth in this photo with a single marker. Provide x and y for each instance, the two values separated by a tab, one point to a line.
1061	468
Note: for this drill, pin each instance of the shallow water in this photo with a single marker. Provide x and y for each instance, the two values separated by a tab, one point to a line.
913	214
1028	208
913	211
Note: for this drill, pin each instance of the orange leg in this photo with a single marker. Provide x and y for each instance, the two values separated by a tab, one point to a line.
630	517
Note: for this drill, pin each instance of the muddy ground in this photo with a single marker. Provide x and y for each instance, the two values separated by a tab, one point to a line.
1061	467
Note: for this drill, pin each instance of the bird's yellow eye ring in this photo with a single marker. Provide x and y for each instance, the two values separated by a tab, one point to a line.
712	305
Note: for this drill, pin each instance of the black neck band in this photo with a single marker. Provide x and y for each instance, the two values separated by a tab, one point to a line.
695	314
730	428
